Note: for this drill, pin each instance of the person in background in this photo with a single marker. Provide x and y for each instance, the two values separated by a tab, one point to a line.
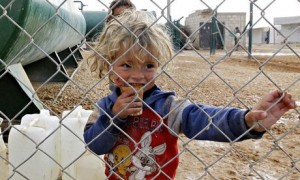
117	7
145	146
237	36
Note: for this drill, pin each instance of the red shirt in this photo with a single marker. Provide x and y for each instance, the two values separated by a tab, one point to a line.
146	151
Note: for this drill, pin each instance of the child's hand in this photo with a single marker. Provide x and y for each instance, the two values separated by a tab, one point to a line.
265	116
125	105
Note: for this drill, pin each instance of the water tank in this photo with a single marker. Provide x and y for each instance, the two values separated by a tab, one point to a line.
95	21
31	29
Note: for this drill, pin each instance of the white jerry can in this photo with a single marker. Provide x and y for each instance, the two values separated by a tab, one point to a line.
77	162
91	167
73	146
3	157
34	147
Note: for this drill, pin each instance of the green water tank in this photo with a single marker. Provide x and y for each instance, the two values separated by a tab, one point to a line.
95	21
32	29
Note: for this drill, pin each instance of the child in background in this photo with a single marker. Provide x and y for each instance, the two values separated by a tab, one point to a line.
145	146
117	7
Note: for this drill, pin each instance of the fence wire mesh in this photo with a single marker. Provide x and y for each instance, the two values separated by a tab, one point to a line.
45	80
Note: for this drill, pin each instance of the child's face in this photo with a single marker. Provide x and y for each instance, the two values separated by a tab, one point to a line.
134	71
119	10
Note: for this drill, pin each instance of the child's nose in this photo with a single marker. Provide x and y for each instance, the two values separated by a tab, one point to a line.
137	74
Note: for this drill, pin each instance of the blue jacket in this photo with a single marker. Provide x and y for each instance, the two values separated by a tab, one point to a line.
197	121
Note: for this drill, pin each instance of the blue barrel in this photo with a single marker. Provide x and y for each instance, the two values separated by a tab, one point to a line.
32	29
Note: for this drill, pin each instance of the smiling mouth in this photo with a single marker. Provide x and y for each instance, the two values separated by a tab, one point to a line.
136	85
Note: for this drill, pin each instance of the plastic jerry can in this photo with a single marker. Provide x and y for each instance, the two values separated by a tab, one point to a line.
34	147
90	166
73	146
3	157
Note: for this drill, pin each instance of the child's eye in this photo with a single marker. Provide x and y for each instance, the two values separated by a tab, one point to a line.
149	66
125	65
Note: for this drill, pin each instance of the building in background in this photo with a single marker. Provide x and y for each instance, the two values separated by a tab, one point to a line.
199	24
261	35
288	29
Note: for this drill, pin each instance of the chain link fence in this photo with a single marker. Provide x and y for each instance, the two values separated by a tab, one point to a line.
48	92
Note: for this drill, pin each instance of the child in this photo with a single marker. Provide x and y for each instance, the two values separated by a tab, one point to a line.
117	7
145	146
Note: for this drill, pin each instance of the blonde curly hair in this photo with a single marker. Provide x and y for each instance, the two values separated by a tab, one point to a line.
134	32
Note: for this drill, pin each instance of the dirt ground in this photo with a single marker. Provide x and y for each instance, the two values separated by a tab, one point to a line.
216	80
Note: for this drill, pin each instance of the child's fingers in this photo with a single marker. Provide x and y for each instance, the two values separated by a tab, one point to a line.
127	93
274	94
131	111
136	104
287	102
132	108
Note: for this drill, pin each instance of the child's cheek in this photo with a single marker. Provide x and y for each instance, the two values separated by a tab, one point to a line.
118	82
